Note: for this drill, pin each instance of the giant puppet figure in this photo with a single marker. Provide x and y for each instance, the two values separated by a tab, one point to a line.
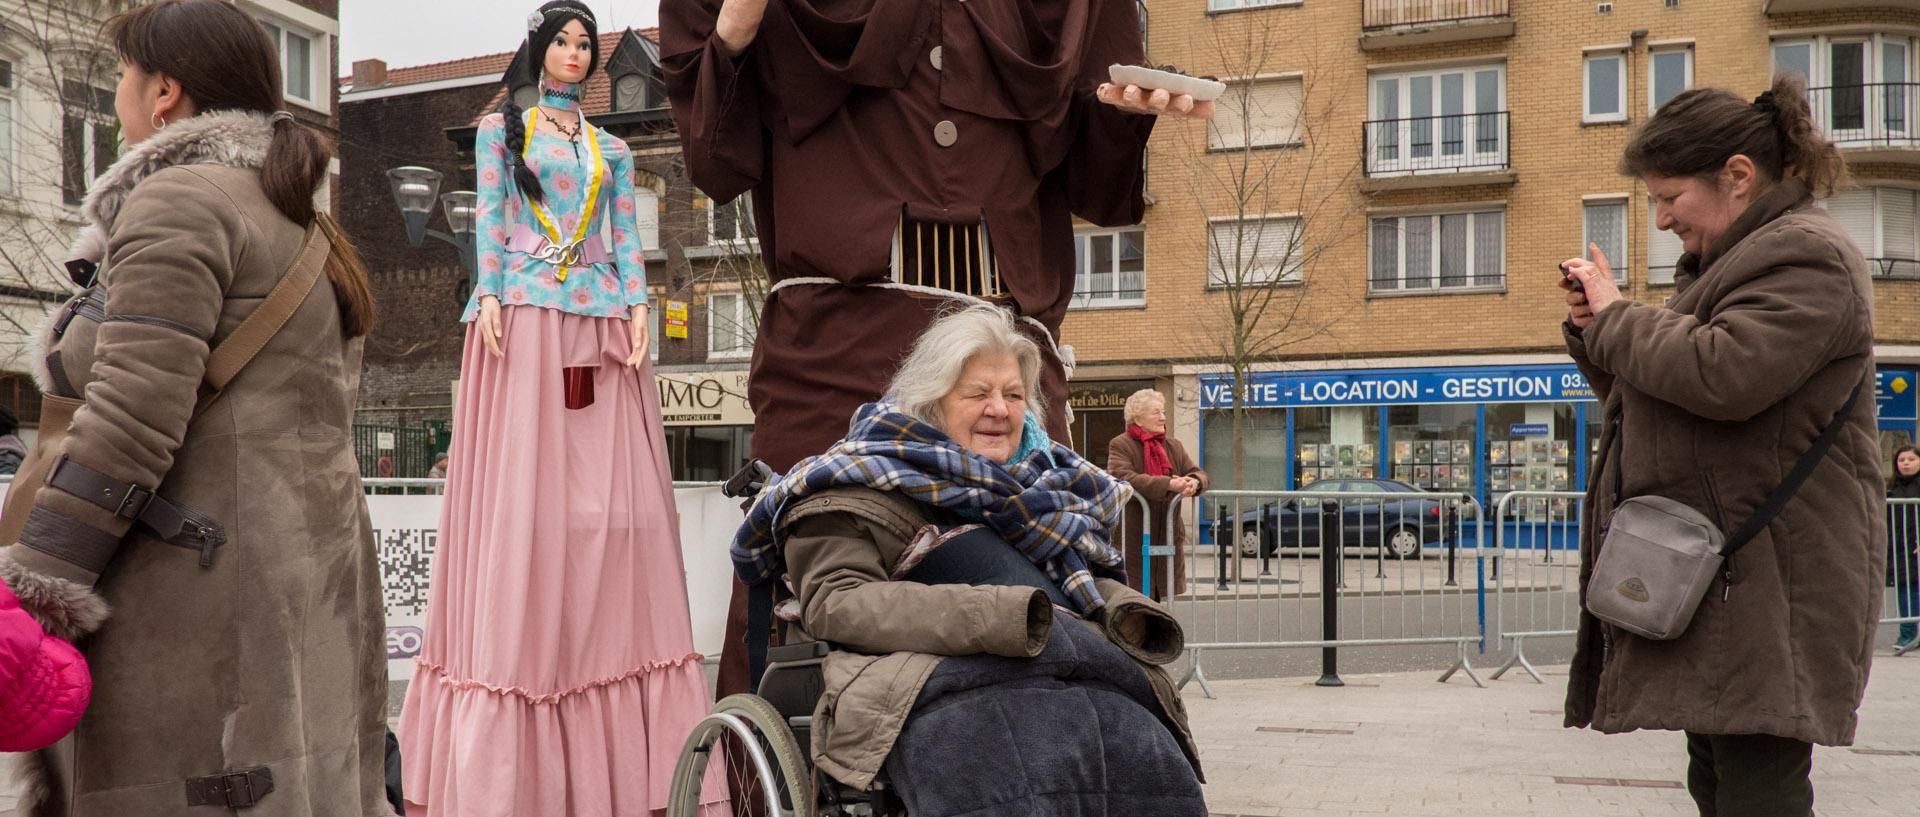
558	673
902	156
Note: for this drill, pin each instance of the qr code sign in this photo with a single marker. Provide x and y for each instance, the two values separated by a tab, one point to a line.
406	561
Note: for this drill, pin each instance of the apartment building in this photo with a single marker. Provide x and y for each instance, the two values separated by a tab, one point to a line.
1372	222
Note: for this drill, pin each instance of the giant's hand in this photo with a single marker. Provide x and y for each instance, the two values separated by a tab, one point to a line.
738	24
1134	99
642	335
488	324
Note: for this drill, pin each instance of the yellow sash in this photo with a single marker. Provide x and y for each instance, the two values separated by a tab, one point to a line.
593	192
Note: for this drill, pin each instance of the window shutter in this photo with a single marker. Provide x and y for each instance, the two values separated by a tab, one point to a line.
1854	210
1663	251
1607	227
1896	223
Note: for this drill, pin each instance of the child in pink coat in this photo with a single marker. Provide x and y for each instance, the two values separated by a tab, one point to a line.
44	684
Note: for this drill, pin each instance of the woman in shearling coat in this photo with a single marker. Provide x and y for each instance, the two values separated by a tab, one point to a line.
243	664
1713	399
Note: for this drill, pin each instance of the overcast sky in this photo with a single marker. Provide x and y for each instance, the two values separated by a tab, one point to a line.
417	32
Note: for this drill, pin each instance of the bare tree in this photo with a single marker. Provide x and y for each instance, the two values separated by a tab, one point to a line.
61	132
1275	184
723	256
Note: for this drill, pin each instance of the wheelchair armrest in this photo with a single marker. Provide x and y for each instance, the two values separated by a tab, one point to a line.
804	651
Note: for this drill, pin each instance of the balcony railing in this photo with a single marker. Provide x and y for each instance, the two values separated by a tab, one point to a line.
1903	268
1455	143
1868	115
1387	13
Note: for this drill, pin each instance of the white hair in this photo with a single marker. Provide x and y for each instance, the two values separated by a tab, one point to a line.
933	368
1138	402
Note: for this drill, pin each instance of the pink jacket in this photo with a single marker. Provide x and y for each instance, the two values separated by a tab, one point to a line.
44	684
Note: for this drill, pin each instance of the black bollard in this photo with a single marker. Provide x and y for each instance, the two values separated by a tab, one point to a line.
1449	529
1331	552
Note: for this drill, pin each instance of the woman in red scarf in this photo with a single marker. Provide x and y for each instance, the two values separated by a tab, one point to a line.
1158	467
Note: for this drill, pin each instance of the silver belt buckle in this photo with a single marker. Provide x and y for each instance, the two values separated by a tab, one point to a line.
566	255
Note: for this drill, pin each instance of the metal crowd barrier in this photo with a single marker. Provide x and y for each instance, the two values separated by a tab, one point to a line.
1304	569
1903	540
1536	538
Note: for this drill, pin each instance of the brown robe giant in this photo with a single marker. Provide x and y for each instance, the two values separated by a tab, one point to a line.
842	117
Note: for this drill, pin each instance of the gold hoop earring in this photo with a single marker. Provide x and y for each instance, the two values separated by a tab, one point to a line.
157	123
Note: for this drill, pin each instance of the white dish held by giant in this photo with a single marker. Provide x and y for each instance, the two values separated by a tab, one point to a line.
1152	79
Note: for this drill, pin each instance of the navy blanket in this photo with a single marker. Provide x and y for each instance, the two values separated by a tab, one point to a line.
1073	732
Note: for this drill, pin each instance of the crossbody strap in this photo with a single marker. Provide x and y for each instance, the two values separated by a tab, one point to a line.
252	335
1776	501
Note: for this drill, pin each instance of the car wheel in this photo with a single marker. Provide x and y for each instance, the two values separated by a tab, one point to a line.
1404	543
1250	542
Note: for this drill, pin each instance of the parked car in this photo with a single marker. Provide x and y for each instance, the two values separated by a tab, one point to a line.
1399	528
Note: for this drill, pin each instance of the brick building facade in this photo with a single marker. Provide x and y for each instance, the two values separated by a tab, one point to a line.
1428	165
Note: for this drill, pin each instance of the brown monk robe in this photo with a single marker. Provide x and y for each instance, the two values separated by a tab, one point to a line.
853	121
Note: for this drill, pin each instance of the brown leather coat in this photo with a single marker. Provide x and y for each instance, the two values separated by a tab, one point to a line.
1721	392
271	654
841	545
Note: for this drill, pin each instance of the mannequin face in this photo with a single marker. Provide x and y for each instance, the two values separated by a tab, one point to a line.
569	54
141	96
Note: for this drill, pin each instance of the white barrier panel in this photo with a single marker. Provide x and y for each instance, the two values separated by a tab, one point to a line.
406	530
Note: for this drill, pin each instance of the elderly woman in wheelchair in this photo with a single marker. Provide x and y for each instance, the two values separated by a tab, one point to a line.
986	656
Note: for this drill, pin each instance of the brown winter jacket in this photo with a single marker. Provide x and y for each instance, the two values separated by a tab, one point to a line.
841	545
272	654
1127	460
1717	396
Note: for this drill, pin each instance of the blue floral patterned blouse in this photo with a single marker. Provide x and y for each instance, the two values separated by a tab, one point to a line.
510	272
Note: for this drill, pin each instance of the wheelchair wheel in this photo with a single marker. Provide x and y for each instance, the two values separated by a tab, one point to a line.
766	771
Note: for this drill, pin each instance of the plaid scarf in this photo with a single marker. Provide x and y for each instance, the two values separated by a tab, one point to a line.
1051	505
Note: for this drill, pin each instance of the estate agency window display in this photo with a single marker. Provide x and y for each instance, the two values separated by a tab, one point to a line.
1481	431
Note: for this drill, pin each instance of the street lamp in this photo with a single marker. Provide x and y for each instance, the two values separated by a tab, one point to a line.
414	189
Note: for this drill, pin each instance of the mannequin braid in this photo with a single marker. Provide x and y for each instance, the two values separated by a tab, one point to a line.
523	175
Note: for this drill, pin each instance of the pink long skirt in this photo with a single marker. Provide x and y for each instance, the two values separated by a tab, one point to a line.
558	675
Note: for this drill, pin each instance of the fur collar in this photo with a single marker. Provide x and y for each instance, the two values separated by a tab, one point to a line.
230	138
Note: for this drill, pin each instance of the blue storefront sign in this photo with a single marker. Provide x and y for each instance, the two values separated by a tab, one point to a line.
1895	392
1386	387
1529	429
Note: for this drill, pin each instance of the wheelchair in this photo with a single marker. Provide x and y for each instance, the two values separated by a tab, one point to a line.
763	739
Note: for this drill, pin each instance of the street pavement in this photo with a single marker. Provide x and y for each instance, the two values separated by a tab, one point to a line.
1398	743
1401	744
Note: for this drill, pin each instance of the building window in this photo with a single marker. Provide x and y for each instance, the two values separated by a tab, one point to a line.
1606	87
1256	113
1234	5
1663	249
1606	227
1881	221
730	326
1110	268
1253	252
1671	72
6	127
646	214
630	93
730	223
1437	251
1860	86
89	137
1448	119
303	57
653	326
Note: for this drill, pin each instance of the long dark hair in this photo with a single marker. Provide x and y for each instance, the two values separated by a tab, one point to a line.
526	69
1696	132
224	61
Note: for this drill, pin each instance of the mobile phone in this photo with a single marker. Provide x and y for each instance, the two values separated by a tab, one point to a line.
1567	274
1153	79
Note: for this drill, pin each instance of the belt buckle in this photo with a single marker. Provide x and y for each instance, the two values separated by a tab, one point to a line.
238	782
145	497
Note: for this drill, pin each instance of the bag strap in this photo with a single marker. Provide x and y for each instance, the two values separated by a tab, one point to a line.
252	335
1776	501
